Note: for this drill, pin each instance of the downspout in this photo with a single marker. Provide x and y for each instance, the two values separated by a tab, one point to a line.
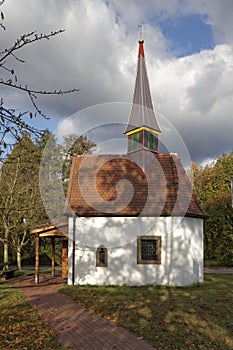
73	252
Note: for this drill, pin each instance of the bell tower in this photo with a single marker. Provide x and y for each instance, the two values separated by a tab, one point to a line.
142	128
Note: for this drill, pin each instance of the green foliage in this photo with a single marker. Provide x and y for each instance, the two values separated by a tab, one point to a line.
31	169
50	173
20	201
213	187
73	145
213	181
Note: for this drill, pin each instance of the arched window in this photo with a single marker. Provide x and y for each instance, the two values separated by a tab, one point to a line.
101	256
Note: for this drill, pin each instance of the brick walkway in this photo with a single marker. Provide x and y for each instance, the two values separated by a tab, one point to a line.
76	327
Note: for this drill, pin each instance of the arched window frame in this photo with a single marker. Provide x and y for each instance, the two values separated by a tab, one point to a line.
102	256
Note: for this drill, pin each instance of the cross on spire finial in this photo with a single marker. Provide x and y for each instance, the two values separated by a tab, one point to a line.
140	33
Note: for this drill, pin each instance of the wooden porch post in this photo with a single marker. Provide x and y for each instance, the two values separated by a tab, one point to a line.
53	255
37	258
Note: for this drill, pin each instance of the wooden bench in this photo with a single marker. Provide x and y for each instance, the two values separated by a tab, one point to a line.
5	274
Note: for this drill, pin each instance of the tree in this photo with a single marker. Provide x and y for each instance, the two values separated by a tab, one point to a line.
33	168
13	123
7	186
212	183
213	180
218	231
50	175
20	201
73	145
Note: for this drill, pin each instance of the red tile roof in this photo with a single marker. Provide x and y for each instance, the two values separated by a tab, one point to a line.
114	185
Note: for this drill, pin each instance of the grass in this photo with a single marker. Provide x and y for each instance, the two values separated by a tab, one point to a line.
184	318
21	327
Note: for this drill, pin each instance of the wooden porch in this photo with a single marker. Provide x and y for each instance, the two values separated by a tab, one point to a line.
60	230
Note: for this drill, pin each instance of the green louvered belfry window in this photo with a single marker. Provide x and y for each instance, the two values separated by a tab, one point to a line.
151	141
135	141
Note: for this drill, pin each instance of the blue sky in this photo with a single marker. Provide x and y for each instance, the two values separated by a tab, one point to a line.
188	47
187	34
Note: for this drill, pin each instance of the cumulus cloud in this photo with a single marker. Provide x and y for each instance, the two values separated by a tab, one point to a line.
196	94
98	54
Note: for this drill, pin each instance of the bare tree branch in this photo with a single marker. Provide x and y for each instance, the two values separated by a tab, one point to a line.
12	122
27	39
41	92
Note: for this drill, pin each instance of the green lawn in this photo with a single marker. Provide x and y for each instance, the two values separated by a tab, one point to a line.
20	325
197	317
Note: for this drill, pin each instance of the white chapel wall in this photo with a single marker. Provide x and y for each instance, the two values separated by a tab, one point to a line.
181	251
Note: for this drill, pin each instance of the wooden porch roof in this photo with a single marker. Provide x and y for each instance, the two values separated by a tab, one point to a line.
51	230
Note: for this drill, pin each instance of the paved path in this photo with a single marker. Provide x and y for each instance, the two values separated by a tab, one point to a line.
76	327
218	270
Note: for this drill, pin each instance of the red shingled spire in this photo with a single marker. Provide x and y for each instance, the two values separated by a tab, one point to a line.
142	113
142	128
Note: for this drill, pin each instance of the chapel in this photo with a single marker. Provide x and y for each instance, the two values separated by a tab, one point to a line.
134	218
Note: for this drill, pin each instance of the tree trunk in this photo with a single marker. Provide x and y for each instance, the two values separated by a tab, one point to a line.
19	259
6	257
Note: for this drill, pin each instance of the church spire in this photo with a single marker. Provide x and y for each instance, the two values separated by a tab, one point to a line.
142	128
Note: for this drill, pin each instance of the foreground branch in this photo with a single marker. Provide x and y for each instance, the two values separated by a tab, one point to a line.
12	123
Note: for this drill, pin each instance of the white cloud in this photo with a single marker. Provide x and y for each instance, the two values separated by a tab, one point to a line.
98	54
217	13
196	94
